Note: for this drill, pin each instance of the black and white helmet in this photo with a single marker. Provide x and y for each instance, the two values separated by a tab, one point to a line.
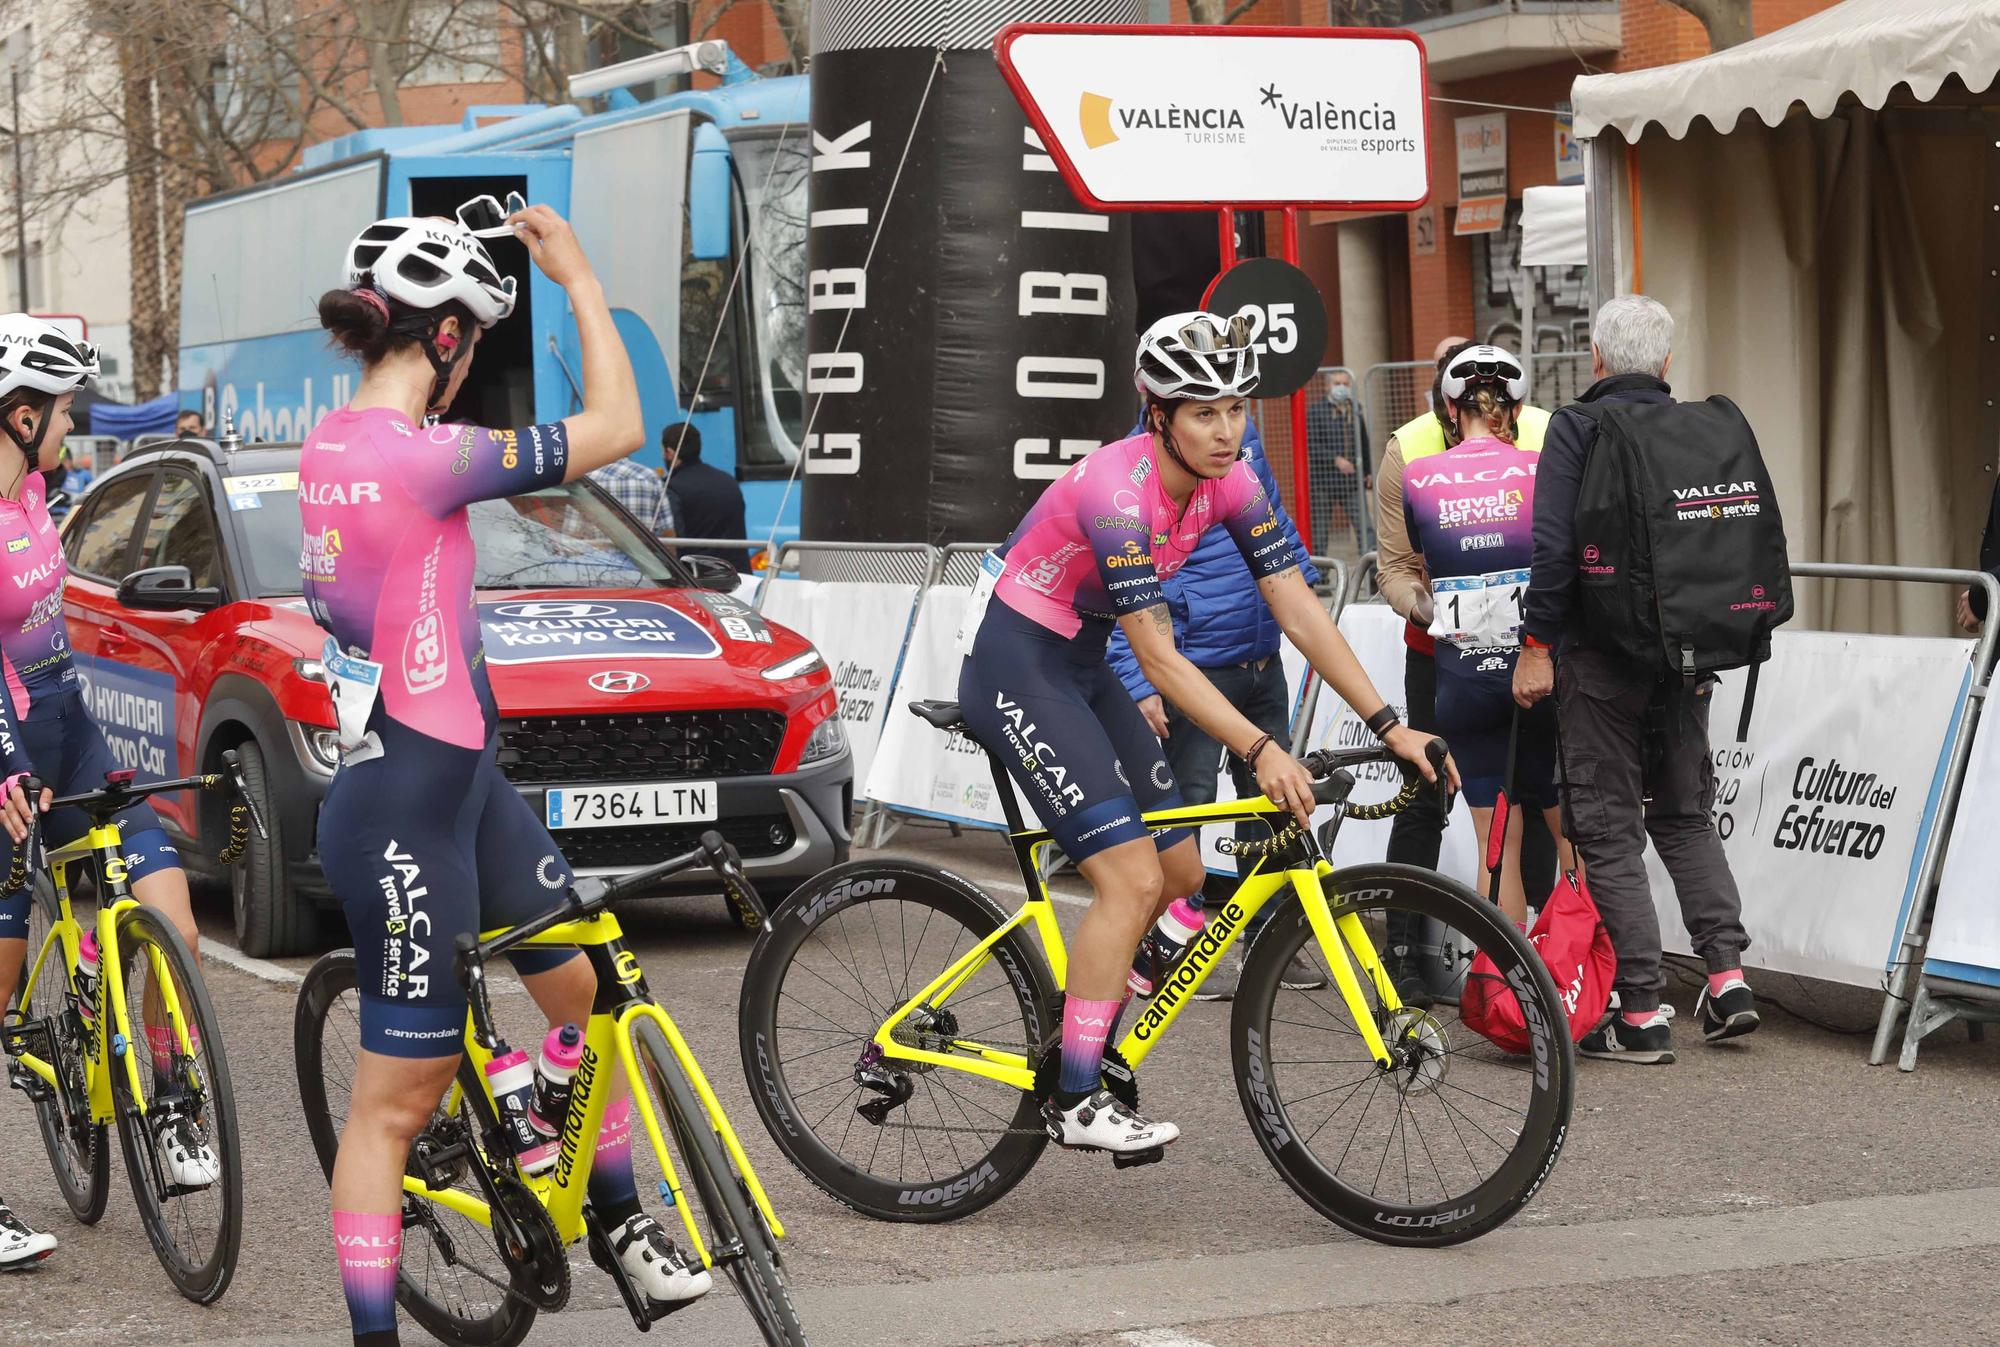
1198	356
1484	364
428	262
38	355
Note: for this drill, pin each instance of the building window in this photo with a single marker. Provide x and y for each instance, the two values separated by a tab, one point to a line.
37	287
454	42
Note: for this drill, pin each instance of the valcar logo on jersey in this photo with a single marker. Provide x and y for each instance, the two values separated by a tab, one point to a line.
335	493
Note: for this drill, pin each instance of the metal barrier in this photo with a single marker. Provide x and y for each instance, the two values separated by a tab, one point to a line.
1398	392
958	563
855	563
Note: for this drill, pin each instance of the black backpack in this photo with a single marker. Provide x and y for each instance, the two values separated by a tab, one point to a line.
1681	560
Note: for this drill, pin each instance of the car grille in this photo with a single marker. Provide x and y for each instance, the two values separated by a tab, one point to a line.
647	746
630	848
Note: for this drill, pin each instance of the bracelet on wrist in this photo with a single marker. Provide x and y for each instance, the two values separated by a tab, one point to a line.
1250	757
1383	721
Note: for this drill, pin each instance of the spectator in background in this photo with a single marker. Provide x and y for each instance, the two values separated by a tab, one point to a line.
1225	629
1417	835
707	502
189	425
1337	457
639	489
1634	741
73	480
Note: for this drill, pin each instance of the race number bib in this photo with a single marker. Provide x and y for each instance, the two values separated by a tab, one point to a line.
1475	612
355	683
990	567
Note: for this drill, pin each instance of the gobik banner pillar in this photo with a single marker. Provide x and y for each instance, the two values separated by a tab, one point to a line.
985	343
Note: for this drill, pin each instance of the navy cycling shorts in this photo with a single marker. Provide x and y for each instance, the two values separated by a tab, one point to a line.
1050	709
1475	708
71	758
419	844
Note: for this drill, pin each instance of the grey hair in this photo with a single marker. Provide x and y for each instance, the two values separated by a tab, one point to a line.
1633	335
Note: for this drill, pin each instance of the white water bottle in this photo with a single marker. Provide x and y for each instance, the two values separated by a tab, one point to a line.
511	1078
555	1069
1177	926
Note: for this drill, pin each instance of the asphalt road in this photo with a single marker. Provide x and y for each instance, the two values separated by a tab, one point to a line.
1775	1191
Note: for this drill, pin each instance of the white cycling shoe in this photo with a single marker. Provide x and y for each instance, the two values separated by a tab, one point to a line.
19	1246
1101	1123
655	1263
185	1156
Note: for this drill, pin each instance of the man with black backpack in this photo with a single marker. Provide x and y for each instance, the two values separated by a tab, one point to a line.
1659	559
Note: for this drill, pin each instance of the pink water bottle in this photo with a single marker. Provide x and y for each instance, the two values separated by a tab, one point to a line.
86	977
562	1050
511	1077
1177	926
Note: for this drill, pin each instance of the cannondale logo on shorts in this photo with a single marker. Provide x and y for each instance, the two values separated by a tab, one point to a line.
548	871
1162	778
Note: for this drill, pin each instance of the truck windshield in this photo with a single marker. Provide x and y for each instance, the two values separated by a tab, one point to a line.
562	537
773	167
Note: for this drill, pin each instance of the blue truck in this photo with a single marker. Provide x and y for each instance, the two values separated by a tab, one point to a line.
691	205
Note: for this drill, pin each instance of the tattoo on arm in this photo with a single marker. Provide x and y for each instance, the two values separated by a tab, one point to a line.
1277	578
1163	620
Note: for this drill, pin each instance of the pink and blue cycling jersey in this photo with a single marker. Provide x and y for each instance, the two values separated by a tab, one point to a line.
1103	536
387	557
34	642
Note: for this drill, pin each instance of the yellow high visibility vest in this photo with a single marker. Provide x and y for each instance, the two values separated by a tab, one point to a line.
1425	435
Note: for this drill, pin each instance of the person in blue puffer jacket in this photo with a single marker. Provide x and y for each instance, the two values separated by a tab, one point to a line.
1224	628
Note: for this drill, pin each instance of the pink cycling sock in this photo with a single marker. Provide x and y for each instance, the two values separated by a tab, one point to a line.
1087	1028
370	1245
613	1192
1638	1019
1718	981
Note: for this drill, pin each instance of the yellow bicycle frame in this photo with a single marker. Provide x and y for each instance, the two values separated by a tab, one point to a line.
607	1037
1339	937
65	937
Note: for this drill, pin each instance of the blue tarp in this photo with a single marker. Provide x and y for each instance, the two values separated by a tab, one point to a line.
147	418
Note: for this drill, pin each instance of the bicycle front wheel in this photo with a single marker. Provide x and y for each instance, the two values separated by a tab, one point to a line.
195	1227
1458	1135
895	1139
739	1240
78	1148
453	1279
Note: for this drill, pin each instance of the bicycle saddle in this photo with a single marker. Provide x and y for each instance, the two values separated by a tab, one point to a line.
944	715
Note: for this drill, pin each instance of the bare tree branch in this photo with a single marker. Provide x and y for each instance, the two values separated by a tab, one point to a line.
1727	21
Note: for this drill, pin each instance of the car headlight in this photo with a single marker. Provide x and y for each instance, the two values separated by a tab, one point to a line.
829	739
311	670
805	663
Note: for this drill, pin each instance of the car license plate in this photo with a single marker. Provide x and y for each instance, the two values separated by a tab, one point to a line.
630	806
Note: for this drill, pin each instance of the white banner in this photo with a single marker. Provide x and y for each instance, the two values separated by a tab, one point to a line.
1822	809
858	629
1308	118
918	769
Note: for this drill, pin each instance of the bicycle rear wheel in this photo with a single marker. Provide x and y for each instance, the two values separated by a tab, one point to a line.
1459	1135
921	1142
195	1230
77	1147
739	1240
453	1279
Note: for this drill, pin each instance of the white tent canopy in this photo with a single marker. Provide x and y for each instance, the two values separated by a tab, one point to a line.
1554	230
1863	47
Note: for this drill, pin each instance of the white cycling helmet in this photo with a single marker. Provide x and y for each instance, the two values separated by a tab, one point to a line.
1484	364
426	263
39	356
1197	355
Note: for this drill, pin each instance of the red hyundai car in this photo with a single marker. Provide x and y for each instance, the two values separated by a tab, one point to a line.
640	703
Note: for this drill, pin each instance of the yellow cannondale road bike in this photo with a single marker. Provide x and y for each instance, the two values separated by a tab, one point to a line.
900	1027
86	1053
485	1245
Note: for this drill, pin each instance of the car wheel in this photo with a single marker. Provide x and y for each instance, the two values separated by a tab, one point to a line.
270	918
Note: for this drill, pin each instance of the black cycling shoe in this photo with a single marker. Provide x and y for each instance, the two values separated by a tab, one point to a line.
1649	1044
1730	1015
1411	989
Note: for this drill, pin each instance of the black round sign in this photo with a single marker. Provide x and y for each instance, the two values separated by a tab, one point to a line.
1287	320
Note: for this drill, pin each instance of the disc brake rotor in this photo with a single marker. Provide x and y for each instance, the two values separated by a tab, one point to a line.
1424	1051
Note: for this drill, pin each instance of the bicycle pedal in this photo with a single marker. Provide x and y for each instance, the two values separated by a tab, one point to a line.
1152	1155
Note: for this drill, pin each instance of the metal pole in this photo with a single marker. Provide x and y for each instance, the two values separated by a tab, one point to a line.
1301	467
1226	224
20	197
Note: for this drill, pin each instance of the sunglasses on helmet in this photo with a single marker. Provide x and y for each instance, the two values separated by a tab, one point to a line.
484	217
1203	336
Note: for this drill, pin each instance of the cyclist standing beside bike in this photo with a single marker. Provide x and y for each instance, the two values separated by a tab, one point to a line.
1037	692
421	835
1470	513
46	729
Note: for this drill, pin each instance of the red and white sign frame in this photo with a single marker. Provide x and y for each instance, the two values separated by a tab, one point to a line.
1005	39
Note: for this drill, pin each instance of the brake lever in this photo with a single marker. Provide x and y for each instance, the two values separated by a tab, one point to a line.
1437	751
728	866
234	764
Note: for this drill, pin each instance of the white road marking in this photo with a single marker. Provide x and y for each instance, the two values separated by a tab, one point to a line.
256	968
1161	1337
